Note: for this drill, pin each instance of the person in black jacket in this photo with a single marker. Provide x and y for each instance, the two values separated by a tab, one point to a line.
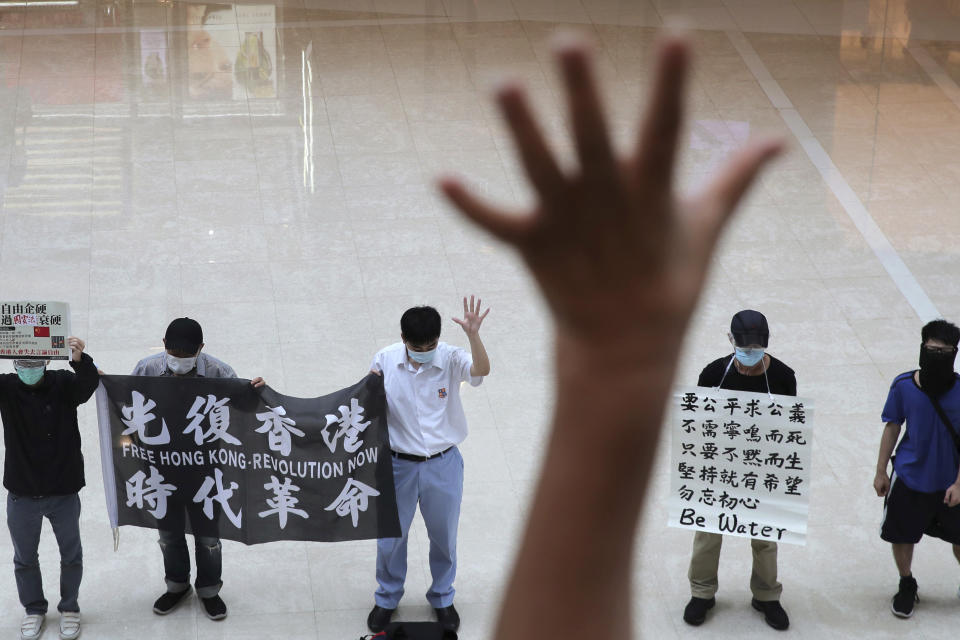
748	368
43	474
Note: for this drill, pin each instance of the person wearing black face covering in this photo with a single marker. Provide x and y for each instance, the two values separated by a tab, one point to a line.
922	495
936	368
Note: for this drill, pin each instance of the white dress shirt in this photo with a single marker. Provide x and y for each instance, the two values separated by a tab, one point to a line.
424	411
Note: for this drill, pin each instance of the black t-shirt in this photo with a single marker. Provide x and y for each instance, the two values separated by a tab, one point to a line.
782	379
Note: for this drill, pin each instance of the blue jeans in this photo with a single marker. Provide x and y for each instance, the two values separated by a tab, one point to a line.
25	519
437	486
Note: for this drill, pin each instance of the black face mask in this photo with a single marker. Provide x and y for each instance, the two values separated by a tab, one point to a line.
936	371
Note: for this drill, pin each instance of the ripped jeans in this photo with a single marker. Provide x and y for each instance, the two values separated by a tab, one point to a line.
176	563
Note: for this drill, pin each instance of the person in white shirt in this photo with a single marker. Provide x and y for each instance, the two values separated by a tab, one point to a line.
426	422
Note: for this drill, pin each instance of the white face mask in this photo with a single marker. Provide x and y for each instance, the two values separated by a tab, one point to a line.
422	357
181	366
749	356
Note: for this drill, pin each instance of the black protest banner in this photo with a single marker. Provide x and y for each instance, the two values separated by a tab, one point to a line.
216	457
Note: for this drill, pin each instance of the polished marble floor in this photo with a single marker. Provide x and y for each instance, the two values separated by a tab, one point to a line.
268	167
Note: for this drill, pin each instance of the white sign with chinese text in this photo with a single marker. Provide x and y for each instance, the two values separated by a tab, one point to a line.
740	463
31	330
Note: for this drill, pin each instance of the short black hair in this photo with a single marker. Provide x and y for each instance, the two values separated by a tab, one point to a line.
941	330
420	325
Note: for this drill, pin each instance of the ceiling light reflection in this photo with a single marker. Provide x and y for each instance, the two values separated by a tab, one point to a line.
40	3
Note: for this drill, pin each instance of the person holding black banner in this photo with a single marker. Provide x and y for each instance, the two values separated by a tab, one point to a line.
748	368
183	356
426	422
43	475
922	495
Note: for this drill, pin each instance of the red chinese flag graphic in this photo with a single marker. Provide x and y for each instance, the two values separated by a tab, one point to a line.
41	332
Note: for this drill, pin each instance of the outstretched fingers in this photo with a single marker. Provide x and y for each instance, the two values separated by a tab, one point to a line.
663	119
597	162
511	228
539	163
716	203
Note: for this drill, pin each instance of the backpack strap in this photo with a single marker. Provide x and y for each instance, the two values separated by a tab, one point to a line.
946	421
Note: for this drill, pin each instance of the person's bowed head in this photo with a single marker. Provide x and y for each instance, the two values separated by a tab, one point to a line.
183	342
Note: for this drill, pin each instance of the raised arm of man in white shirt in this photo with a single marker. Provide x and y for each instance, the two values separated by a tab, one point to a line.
471	321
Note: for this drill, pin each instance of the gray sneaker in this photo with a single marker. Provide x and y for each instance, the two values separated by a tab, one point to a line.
69	625
31	627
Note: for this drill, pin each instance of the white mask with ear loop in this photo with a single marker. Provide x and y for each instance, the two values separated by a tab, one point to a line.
181	366
748	356
422	357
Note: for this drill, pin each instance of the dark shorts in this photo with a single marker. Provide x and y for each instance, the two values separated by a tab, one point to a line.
909	514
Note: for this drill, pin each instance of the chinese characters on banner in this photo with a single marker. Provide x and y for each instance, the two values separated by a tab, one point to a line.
247	465
34	330
740	463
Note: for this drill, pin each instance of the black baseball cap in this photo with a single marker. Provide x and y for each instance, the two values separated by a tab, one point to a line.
184	334
749	327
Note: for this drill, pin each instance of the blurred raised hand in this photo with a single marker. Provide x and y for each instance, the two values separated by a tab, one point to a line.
621	259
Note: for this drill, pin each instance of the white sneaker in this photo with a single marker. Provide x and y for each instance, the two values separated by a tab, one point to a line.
32	626
69	625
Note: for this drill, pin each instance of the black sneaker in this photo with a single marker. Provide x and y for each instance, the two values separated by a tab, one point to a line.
902	604
773	613
170	601
379	618
214	608
448	618
696	610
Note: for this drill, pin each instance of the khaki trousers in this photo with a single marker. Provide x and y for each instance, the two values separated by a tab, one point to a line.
705	562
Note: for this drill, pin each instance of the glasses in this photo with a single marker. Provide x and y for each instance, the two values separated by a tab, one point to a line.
29	364
940	350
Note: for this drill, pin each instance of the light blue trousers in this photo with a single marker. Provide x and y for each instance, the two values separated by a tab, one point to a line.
437	486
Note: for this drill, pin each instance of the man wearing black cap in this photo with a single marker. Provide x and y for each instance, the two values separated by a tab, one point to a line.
182	356
183	343
748	368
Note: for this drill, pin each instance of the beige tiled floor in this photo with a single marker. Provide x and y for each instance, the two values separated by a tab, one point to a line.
291	209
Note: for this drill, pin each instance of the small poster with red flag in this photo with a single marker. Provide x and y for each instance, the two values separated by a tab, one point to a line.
32	330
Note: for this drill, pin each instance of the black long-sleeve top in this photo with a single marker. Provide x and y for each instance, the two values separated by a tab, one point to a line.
40	430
